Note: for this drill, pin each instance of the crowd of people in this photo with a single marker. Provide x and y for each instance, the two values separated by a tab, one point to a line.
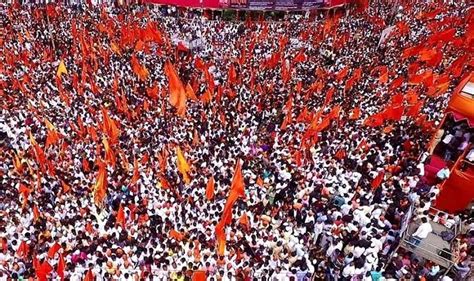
105	173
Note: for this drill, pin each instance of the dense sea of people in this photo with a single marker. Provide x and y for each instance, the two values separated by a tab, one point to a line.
121	131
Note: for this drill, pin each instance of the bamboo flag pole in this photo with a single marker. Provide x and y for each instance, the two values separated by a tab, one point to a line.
49	28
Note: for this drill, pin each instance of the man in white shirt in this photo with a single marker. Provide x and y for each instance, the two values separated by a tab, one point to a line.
421	233
443	174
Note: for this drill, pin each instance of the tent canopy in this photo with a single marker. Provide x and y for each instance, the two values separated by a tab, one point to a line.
461	104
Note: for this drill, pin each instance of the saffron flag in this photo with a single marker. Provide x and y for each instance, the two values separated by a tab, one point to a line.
39	153
53	250
109	127
36	213
183	166
355	114
53	136
43	271
220	236
210	189
100	188
120	217
177	91
23	250
178	236
190	93
61	69
136	174
199	276
238	184
89	276
61	266
377	180
109	154
244	220
232	76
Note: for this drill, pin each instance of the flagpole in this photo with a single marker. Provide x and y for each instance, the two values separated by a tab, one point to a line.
49	28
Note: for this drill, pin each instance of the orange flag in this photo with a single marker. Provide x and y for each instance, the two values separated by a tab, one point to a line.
89	276
39	153
100	188
176	235
355	114
220	236
44	270
120	218
109	127
140	70
378	180
238	184
61	266
236	191
164	183
232	76
190	93
136	174
177	91
53	250
183	166
300	57
65	186
36	213
61	69
53	136
244	220
199	276
259	181
17	163
23	250
210	189
109	154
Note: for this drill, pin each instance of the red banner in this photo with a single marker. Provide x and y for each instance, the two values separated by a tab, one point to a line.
212	4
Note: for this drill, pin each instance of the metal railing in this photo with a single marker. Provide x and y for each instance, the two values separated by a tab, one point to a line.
456	227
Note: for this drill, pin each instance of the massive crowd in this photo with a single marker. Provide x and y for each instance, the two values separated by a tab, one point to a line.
107	171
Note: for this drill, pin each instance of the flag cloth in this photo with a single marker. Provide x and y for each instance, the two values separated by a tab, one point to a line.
61	266
355	114
238	184
236	191
244	220
23	250
377	180
109	154
183	166
199	276
190	93
53	136
220	237
140	70
36	213
177	91
17	163
43	271
109	127
89	276
210	189
136	174
232	75
65	186
100	188
61	69
39	153
178	236
53	250
120	217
